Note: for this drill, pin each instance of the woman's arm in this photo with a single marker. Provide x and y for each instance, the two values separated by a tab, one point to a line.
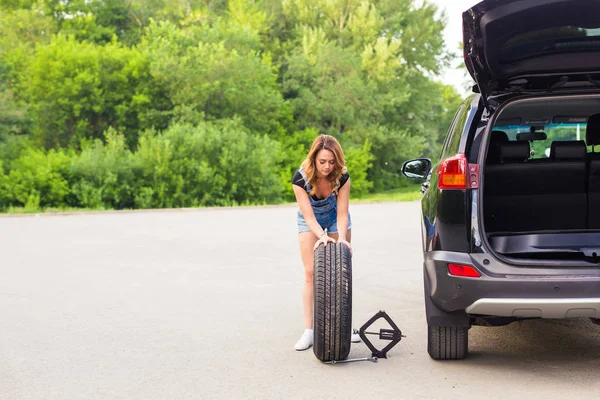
307	211
343	200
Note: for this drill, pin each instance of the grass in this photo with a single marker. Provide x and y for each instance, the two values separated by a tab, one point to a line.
410	193
28	210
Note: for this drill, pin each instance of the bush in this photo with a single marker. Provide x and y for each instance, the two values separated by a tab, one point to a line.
37	179
104	174
208	164
358	161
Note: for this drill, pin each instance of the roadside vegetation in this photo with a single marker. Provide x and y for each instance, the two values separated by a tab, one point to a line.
120	104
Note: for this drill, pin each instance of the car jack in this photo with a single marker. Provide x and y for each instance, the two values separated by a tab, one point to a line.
374	359
394	335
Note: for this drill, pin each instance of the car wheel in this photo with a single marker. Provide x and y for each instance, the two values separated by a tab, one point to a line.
332	302
447	342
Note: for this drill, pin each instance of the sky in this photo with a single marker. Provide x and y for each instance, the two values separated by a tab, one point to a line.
452	37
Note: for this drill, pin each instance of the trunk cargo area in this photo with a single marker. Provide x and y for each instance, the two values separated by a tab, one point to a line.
546	203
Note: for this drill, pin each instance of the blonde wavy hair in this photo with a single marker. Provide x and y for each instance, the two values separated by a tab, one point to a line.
309	164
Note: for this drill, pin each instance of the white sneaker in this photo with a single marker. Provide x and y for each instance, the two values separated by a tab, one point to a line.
306	340
355	338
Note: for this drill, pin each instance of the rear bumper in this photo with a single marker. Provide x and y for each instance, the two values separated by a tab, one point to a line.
530	294
537	308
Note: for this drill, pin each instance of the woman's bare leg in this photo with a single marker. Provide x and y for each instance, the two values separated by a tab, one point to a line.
307	243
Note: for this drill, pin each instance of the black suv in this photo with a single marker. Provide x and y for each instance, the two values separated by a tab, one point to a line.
511	210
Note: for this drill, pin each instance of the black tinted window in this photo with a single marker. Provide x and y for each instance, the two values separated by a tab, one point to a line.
455	133
555	39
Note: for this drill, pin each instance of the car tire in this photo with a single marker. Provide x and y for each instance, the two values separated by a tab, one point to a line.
332	302
447	342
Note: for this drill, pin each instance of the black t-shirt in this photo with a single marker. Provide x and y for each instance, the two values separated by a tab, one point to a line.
298	180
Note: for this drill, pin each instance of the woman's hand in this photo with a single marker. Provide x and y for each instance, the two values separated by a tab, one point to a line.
346	243
323	240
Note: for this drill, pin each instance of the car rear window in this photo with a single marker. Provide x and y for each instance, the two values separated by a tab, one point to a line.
553	131
549	40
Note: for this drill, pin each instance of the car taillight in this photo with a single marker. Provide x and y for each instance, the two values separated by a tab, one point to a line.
463	270
453	173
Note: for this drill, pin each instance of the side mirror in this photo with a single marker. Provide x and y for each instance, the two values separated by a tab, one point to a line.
417	169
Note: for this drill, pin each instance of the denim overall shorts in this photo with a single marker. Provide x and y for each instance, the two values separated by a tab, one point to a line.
325	211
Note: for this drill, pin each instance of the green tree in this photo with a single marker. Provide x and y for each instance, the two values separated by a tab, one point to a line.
360	71
76	90
21	31
227	96
208	78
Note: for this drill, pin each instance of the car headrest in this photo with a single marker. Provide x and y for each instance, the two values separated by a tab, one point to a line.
498	137
568	150
515	151
592	132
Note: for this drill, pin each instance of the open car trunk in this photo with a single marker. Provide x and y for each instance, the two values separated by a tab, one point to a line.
531	43
549	245
541	180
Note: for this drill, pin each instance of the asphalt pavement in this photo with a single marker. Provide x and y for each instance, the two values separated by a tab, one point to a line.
205	303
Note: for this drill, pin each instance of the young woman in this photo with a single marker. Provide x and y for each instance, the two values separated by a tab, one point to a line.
322	189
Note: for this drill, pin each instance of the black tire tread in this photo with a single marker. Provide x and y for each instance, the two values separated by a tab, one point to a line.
447	342
332	302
